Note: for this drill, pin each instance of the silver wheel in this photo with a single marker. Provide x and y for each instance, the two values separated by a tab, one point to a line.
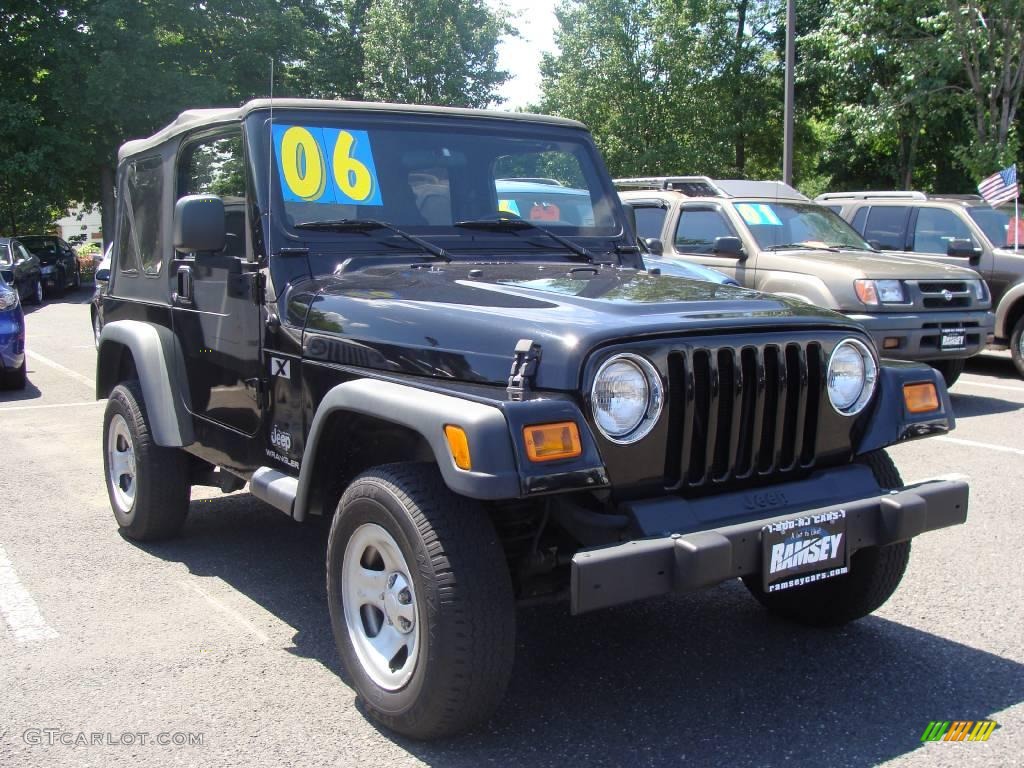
37	297
96	330
379	602
1020	345
121	466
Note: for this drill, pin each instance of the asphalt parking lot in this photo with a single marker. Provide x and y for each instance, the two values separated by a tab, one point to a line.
219	645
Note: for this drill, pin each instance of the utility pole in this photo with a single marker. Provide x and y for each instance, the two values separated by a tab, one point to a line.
787	130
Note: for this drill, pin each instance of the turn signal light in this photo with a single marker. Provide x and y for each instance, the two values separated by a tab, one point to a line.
459	445
549	442
920	398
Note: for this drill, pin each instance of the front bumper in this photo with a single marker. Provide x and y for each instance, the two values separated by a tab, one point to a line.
919	335
695	559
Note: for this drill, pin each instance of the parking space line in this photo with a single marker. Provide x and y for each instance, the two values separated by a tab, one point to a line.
976	444
5	409
231	613
983	385
33	356
18	608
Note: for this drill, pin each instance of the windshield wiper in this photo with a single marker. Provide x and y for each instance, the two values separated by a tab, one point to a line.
368	225
503	224
802	246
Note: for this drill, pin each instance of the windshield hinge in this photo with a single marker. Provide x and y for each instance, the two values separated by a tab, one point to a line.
524	367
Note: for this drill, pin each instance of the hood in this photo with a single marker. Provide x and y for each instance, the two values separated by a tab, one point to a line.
462	321
855	265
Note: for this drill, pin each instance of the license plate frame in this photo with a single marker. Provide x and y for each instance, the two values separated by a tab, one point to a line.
954	338
800	550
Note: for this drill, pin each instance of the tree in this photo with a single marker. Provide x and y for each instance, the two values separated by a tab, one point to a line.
432	52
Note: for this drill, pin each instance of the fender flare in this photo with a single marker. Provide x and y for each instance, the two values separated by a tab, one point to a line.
158	360
494	474
1013	296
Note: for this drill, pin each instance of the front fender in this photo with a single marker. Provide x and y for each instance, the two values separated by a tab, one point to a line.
1014	295
157	358
889	421
793	285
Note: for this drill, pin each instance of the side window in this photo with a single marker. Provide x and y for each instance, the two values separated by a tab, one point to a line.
858	220
649	220
140	240
215	166
698	228
887	225
5	254
936	228
23	252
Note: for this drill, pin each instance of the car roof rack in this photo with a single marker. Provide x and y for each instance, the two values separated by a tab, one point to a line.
867	195
534	180
703	186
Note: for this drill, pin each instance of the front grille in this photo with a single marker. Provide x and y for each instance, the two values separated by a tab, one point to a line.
934	294
740	412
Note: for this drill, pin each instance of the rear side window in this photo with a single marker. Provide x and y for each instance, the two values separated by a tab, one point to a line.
888	226
698	228
140	241
858	220
936	228
649	221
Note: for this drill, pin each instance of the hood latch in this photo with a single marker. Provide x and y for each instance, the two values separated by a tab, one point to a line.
524	367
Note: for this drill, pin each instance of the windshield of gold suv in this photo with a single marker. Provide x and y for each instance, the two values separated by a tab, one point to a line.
776	225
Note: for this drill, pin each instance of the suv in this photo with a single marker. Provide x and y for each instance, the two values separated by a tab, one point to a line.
493	410
770	237
954	229
58	261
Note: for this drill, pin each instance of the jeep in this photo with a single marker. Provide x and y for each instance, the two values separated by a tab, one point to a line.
954	229
329	302
772	238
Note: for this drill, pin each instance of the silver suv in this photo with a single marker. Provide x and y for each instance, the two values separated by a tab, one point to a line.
770	237
954	229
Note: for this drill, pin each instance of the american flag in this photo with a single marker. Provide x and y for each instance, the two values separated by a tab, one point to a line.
1000	187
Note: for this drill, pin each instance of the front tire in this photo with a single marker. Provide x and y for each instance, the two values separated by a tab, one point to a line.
421	601
1017	345
36	297
148	485
875	573
950	369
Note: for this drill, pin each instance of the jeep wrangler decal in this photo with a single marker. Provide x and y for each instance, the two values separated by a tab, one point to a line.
326	165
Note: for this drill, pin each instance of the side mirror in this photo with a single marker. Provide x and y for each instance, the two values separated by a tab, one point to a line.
729	246
964	249
655	246
199	224
102	276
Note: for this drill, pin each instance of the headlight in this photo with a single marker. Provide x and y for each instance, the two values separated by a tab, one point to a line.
626	398
8	299
978	288
852	374
875	292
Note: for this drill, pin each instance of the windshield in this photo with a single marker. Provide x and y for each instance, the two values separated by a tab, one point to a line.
425	176
40	246
5	253
997	226
775	224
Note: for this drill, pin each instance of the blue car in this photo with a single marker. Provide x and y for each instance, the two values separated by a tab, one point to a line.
677	268
12	338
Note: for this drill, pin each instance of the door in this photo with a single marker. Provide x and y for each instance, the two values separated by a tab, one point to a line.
697	229
214	295
27	271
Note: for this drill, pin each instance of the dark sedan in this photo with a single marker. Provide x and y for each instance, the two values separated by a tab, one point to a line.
21	270
57	260
12	339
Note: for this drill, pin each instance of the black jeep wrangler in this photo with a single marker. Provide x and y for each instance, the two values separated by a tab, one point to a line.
435	325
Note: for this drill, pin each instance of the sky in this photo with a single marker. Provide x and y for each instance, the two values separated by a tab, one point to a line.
520	57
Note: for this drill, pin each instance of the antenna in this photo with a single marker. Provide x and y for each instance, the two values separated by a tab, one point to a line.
270	159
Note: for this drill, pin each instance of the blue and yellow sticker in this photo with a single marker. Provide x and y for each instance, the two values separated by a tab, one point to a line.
758	213
326	165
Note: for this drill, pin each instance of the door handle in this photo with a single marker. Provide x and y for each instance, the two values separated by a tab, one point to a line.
184	293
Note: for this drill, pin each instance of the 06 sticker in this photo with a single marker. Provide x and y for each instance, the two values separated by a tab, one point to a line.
326	165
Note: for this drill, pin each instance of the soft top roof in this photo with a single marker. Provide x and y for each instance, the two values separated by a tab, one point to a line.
198	118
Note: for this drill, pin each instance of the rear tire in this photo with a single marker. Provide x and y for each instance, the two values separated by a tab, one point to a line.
1017	345
875	573
950	369
421	601
16	378
148	485
36	297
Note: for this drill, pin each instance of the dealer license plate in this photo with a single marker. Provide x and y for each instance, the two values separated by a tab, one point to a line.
954	339
803	550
